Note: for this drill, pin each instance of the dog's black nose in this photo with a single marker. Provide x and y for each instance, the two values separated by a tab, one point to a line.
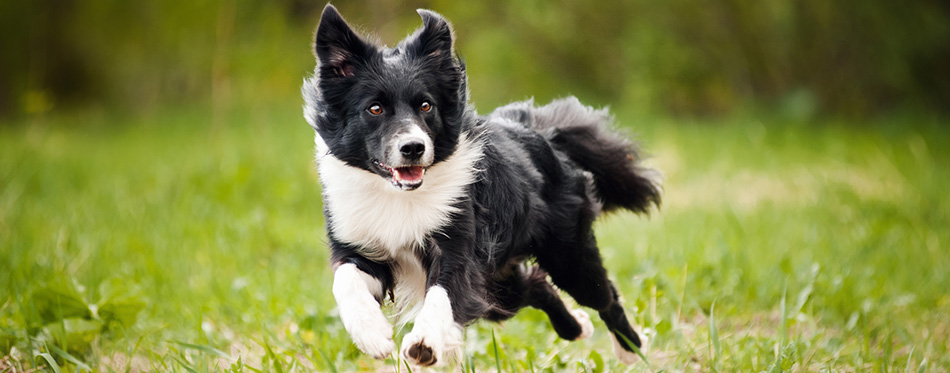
412	148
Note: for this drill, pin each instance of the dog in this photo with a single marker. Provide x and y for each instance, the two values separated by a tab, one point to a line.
456	217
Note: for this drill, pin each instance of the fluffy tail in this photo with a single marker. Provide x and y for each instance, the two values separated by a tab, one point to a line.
581	132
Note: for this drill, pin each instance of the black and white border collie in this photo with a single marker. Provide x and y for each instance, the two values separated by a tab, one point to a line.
453	216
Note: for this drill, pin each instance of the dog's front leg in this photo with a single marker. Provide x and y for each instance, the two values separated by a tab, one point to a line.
356	294
435	331
453	288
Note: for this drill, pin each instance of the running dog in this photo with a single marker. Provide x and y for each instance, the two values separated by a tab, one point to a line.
453	216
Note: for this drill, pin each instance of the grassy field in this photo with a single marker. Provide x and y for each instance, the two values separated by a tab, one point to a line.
188	242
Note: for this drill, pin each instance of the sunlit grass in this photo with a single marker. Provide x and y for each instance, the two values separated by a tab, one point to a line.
173	244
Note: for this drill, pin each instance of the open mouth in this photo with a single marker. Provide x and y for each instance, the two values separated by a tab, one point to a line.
405	178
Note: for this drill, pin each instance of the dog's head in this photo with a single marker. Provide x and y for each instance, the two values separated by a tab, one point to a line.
391	111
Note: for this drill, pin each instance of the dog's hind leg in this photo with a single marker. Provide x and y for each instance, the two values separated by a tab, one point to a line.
530	287
578	270
571	325
623	333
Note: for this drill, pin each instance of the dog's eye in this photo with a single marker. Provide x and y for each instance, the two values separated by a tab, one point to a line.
375	109
425	107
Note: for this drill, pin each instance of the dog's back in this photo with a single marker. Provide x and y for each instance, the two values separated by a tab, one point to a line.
582	133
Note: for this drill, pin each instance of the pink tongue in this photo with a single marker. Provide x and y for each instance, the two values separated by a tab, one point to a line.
408	173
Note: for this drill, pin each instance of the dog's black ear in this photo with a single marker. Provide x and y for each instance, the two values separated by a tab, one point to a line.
336	45
434	40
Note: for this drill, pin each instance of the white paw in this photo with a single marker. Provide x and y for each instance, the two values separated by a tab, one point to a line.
435	334
587	327
372	334
625	356
424	350
432	343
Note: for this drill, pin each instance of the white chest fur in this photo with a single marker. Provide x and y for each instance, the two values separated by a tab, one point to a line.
367	211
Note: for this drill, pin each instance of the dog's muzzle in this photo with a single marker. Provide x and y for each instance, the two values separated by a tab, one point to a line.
409	156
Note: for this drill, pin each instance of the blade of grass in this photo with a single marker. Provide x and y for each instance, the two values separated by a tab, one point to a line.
203	348
923	366
494	345
253	369
237	366
910	359
183	365
330	364
783	331
714	336
49	360
636	350
396	362
70	358
276	363
530	362
598	361
293	362
679	307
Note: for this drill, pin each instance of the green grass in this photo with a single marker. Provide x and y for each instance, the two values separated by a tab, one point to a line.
182	242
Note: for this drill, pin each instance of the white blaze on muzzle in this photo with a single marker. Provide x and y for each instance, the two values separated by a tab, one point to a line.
409	154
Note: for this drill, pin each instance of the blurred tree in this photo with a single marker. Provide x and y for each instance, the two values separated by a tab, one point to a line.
679	56
39	63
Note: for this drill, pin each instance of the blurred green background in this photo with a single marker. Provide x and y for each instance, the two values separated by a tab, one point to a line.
807	57
160	211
